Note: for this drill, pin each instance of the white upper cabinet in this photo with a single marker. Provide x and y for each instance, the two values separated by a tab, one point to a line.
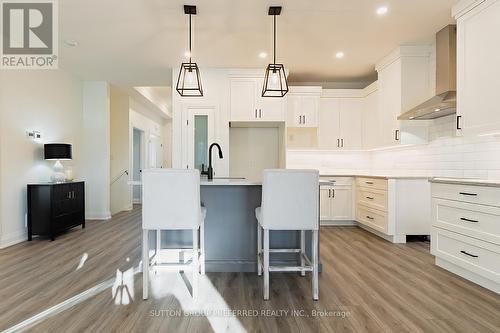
478	69
247	103
303	106
340	119
371	126
403	82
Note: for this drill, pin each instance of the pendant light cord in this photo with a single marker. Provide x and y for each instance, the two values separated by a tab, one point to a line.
190	38
274	52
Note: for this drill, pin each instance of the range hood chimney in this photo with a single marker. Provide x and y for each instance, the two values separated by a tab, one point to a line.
445	101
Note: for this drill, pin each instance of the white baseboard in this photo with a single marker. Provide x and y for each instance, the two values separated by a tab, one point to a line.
397	239
331	223
97	215
13	238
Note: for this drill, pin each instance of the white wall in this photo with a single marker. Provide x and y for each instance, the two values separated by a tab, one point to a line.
50	102
119	124
96	150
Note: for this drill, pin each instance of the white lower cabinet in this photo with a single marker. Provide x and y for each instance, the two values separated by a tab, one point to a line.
466	231
336	201
393	208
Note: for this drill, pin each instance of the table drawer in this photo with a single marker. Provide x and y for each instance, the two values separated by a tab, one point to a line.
378	183
467	193
479	257
473	220
372	218
372	198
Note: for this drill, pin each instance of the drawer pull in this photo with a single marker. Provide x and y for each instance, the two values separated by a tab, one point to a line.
369	183
468	254
466	193
468	220
369	217
371	198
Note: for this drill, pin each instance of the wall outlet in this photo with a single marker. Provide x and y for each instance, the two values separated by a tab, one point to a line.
34	135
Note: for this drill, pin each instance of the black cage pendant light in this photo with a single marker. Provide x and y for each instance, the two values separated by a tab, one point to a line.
189	80
275	82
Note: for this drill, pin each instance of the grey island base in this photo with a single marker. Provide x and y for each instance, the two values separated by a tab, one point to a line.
231	228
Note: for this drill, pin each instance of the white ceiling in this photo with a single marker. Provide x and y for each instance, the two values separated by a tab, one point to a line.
137	42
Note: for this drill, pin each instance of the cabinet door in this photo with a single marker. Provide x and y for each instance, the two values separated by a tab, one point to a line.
309	109
329	116
478	53
342	203
370	127
389	87
351	111
325	202
242	103
268	108
294	117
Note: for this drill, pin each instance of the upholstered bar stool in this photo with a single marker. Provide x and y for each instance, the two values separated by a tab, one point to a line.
290	201
171	201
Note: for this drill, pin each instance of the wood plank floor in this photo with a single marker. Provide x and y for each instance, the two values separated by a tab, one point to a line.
368	285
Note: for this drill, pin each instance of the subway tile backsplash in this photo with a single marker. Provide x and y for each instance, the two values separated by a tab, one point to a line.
446	155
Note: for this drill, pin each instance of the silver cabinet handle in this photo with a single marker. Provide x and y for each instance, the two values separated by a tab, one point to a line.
468	220
469	254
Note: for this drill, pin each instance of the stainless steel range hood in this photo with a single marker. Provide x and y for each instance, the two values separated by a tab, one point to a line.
445	101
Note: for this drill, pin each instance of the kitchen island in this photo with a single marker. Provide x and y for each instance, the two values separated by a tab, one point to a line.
231	228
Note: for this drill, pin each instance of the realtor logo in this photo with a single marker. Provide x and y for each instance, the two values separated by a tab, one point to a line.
29	34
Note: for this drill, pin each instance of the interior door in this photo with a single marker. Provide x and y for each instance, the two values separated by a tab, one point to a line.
351	123
325	203
155	152
341	203
329	116
200	130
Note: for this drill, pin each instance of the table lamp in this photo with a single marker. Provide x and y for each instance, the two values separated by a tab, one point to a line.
57	152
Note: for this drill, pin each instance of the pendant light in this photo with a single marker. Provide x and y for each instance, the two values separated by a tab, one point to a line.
189	80
275	82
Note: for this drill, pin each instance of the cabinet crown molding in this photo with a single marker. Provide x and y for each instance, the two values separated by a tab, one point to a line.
305	90
464	6
419	50
343	93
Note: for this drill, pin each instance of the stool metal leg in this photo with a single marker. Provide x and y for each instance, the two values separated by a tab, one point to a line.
145	263
202	247
315	259
302	250
195	263
266	264
259	249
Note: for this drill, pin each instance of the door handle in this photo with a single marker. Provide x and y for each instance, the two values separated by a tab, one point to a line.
329	193
396	135
255	113
333	193
304	119
260	113
342	143
458	122
300	120
338	143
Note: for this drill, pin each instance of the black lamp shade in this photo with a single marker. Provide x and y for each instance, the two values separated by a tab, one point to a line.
189	80
58	151
275	82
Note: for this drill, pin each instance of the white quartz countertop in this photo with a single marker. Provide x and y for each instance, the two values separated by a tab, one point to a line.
467	181
376	176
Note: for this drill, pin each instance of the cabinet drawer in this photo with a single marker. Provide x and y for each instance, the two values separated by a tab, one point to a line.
467	193
372	198
372	218
472	254
473	220
378	183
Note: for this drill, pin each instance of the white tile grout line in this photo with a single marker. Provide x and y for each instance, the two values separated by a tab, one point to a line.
58	308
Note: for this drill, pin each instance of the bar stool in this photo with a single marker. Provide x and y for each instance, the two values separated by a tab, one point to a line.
290	201
171	201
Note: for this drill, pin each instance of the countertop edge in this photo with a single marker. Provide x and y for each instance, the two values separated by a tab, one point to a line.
471	182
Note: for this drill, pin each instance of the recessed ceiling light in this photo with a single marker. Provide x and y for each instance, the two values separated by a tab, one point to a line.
437	109
382	10
339	55
262	55
71	43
